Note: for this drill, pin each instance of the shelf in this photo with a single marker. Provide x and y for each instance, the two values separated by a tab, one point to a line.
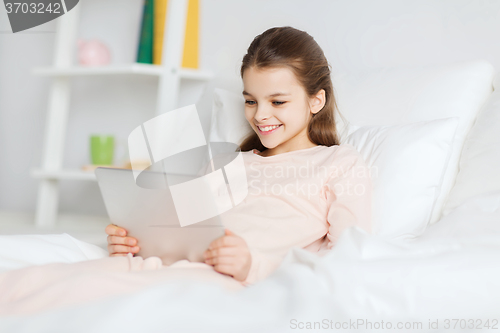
132	69
169	76
68	174
77	174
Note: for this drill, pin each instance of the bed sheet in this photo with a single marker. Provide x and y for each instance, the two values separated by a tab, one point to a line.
19	251
450	272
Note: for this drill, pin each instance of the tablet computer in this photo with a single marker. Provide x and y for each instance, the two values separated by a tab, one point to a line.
145	208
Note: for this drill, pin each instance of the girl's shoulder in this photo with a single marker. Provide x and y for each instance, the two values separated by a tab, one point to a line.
319	150
340	154
319	155
344	149
348	149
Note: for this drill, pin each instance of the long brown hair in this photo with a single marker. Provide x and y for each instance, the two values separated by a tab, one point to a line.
297	50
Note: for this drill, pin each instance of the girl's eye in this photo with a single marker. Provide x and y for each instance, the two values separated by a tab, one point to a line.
278	103
250	102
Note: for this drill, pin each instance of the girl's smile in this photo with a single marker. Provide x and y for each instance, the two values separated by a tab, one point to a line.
265	130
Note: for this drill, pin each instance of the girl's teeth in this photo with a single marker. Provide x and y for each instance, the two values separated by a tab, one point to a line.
268	128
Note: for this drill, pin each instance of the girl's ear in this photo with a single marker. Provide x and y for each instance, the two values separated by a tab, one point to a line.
318	102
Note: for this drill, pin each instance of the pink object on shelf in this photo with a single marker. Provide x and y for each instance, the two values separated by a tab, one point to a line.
93	53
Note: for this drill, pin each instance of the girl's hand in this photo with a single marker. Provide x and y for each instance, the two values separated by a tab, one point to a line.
118	243
229	255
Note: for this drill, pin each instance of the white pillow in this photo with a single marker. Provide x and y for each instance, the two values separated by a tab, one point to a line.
407	164
228	118
391	96
480	161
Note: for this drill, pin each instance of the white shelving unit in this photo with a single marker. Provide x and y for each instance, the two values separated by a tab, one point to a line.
135	69
169	74
63	174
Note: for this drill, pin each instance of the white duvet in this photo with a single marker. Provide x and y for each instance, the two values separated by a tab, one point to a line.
448	279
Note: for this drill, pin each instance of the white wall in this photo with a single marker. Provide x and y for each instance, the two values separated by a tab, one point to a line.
355	35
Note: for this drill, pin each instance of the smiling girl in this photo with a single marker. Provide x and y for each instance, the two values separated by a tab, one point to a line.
290	105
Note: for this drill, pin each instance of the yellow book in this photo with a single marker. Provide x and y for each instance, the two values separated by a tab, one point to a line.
160	14
190	55
191	41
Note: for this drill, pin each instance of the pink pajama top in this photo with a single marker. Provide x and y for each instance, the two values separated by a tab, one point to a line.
303	198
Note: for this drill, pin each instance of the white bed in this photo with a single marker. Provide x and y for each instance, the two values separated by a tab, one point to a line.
442	268
450	273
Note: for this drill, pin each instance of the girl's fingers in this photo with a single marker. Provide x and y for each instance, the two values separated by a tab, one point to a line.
224	260
122	249
224	269
114	230
117	240
224	241
222	251
118	254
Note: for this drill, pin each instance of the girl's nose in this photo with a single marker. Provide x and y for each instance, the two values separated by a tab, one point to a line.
262	115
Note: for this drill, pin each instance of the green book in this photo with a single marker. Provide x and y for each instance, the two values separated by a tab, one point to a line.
145	51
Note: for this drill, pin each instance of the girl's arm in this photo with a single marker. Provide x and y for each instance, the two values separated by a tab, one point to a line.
348	193
230	255
261	267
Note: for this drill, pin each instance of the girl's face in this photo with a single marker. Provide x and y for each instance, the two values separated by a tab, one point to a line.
278	108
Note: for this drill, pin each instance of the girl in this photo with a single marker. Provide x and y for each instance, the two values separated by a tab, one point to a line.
304	188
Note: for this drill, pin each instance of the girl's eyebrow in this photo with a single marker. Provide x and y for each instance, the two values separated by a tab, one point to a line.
272	95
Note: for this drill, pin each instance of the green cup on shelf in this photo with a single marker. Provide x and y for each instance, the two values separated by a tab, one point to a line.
102	149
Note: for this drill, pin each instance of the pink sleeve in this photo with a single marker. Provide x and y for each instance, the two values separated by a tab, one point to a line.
348	193
262	266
